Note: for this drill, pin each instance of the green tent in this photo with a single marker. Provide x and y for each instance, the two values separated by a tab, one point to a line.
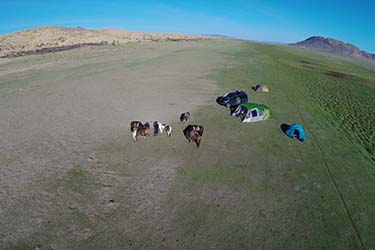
252	112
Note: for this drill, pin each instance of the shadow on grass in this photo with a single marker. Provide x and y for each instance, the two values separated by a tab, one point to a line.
284	127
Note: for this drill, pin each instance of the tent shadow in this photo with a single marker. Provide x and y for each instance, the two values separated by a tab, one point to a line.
218	100
284	127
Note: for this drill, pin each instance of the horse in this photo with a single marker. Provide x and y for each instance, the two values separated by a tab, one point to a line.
197	128
139	129
194	136
146	125
185	117
160	127
156	128
194	133
135	125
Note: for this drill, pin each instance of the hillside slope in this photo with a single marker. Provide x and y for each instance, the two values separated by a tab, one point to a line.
51	38
330	45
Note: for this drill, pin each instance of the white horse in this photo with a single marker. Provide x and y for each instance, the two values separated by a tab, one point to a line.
162	126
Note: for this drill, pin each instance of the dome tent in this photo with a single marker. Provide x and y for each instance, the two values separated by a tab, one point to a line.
261	88
252	112
295	130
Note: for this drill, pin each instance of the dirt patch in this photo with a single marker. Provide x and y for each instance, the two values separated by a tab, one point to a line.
67	159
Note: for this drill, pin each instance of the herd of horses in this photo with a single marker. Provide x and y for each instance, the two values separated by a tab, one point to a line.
191	132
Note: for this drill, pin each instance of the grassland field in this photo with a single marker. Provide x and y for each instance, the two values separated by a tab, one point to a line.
71	178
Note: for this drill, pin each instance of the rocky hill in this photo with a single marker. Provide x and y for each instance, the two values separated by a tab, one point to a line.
330	45
51	38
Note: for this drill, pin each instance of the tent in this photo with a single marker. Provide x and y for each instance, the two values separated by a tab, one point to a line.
252	112
296	130
262	88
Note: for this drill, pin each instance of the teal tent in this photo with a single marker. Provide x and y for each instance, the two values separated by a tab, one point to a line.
296	130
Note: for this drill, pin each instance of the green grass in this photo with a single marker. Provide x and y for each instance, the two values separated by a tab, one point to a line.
23	246
257	168
76	180
248	186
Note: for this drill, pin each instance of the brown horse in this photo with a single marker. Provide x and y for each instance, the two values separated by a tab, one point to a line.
197	128
194	133
142	130
194	136
135	125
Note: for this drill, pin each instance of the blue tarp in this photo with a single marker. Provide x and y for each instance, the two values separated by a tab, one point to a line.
296	130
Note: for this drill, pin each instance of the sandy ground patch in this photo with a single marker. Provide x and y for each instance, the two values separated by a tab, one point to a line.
56	109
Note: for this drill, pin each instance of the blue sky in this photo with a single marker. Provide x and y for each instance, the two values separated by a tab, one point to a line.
274	21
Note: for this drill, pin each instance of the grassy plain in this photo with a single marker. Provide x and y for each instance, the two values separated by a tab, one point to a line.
72	178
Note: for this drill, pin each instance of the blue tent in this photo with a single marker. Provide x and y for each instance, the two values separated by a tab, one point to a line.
296	130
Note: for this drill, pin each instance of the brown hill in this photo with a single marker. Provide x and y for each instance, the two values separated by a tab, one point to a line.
330	45
51	38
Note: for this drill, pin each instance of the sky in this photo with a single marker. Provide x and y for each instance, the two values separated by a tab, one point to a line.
283	21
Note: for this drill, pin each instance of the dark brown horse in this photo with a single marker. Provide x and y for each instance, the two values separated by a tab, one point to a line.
135	125
194	133
141	130
197	128
185	117
194	136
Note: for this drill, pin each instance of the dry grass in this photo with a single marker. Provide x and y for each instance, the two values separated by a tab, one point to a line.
50	38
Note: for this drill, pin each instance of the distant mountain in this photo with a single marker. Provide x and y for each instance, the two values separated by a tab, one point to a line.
53	38
330	45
